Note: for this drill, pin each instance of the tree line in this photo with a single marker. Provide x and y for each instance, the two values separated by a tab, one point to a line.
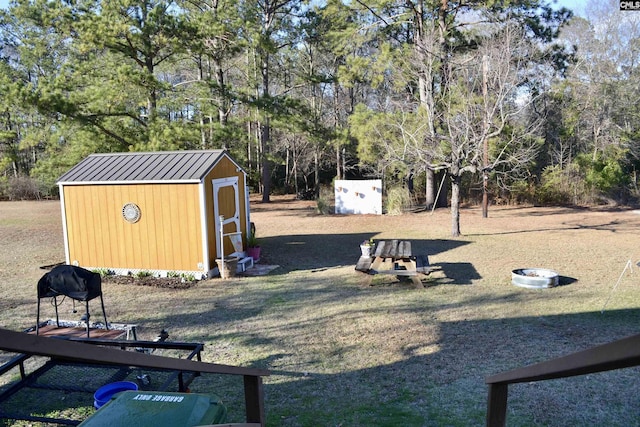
492	101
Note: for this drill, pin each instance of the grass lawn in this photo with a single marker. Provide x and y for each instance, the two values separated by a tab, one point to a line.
346	351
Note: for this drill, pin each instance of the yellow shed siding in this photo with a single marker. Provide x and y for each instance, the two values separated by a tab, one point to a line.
168	235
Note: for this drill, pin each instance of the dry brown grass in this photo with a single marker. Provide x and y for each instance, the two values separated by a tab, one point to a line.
346	353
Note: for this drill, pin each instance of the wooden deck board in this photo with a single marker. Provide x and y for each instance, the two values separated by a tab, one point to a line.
79	332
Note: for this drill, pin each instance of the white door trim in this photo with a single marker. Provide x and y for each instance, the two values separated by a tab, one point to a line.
217	185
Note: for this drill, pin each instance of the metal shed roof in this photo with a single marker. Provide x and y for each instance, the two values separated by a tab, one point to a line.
161	166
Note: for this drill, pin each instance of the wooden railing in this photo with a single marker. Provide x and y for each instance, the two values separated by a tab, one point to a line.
619	354
27	345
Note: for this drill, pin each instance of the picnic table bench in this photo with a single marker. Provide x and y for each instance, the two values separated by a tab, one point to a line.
396	258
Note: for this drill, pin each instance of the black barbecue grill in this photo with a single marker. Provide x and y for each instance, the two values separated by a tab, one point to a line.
74	282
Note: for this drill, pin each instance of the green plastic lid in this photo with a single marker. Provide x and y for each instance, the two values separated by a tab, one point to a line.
158	409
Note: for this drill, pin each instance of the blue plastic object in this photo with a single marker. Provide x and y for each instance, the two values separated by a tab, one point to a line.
106	392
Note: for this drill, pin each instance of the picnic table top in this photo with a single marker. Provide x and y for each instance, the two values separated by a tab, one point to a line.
394	250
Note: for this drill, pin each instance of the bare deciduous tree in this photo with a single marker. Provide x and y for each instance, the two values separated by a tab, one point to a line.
484	112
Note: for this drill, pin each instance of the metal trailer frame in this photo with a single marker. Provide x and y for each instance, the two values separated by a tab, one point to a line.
95	353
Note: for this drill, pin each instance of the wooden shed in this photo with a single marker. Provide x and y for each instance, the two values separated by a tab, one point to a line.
153	212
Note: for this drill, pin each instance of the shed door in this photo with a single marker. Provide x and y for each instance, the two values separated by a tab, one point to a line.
226	202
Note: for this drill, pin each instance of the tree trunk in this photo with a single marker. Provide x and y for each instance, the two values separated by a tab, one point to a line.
222	102
455	206
316	174
152	96
338	169
295	175
430	190
203	133
485	144
265	138
249	139
336	123
287	175
344	163
266	168
263	129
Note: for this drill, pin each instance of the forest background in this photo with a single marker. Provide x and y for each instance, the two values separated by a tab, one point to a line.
501	101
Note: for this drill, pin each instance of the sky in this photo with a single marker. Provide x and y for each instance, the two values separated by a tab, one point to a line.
577	6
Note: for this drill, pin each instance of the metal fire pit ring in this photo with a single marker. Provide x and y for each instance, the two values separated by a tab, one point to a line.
534	278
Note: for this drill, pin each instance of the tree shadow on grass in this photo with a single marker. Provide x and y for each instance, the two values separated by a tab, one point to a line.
323	251
613	226
459	273
447	386
435	380
566	280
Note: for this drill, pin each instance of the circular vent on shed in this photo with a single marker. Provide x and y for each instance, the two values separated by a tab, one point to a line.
131	213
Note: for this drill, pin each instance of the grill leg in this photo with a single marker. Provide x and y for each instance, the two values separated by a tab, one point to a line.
104	314
38	318
55	304
88	316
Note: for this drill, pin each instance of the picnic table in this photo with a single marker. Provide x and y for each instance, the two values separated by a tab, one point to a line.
395	257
